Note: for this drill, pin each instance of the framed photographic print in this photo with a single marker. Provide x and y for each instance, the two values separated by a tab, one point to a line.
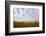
24	17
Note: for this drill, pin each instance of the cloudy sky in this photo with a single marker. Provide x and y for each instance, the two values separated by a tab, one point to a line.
26	14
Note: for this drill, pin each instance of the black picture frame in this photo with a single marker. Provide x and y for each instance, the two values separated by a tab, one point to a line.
7	13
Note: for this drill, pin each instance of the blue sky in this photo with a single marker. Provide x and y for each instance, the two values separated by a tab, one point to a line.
31	13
